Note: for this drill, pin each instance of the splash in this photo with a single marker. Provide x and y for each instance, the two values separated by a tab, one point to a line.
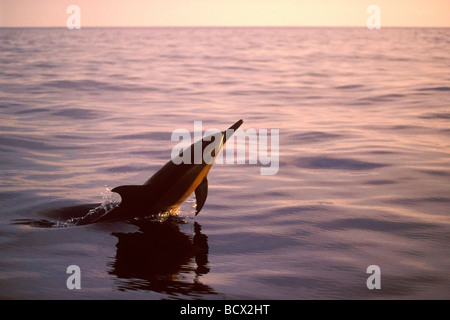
108	204
180	215
111	200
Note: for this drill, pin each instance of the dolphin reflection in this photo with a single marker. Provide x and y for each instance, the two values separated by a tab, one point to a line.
160	257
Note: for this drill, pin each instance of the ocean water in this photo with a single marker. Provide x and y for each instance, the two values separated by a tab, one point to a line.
364	149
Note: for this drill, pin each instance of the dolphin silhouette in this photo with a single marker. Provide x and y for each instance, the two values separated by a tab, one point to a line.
173	183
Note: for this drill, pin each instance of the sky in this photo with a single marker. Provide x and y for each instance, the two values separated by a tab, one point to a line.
52	13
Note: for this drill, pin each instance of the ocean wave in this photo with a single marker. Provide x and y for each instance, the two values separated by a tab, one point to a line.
161	135
349	86
31	143
373	225
336	163
437	115
315	136
95	85
442	88
76	113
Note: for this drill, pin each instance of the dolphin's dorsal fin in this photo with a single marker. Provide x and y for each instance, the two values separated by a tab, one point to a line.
200	195
128	193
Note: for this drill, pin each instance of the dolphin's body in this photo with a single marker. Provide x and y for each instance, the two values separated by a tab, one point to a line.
172	184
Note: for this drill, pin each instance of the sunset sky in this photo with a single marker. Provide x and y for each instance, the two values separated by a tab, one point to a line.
412	13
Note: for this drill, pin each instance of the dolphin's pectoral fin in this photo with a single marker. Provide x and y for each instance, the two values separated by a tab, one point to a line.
128	193
200	195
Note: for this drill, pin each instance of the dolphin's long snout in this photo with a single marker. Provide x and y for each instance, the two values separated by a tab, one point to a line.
230	131
236	125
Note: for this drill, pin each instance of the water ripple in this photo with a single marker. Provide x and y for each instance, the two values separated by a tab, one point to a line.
315	136
443	88
336	163
374	225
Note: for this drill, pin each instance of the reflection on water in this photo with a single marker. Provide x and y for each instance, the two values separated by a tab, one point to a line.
159	257
162	258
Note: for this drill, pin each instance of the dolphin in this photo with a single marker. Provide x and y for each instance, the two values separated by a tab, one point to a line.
173	183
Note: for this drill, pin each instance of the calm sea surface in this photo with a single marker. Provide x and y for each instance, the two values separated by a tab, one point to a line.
364	123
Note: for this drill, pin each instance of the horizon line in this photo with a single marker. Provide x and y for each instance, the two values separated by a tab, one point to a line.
226	26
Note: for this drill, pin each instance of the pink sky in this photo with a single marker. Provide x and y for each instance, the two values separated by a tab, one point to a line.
418	13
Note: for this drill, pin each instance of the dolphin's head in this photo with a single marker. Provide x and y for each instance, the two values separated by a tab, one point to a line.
206	150
212	145
230	131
